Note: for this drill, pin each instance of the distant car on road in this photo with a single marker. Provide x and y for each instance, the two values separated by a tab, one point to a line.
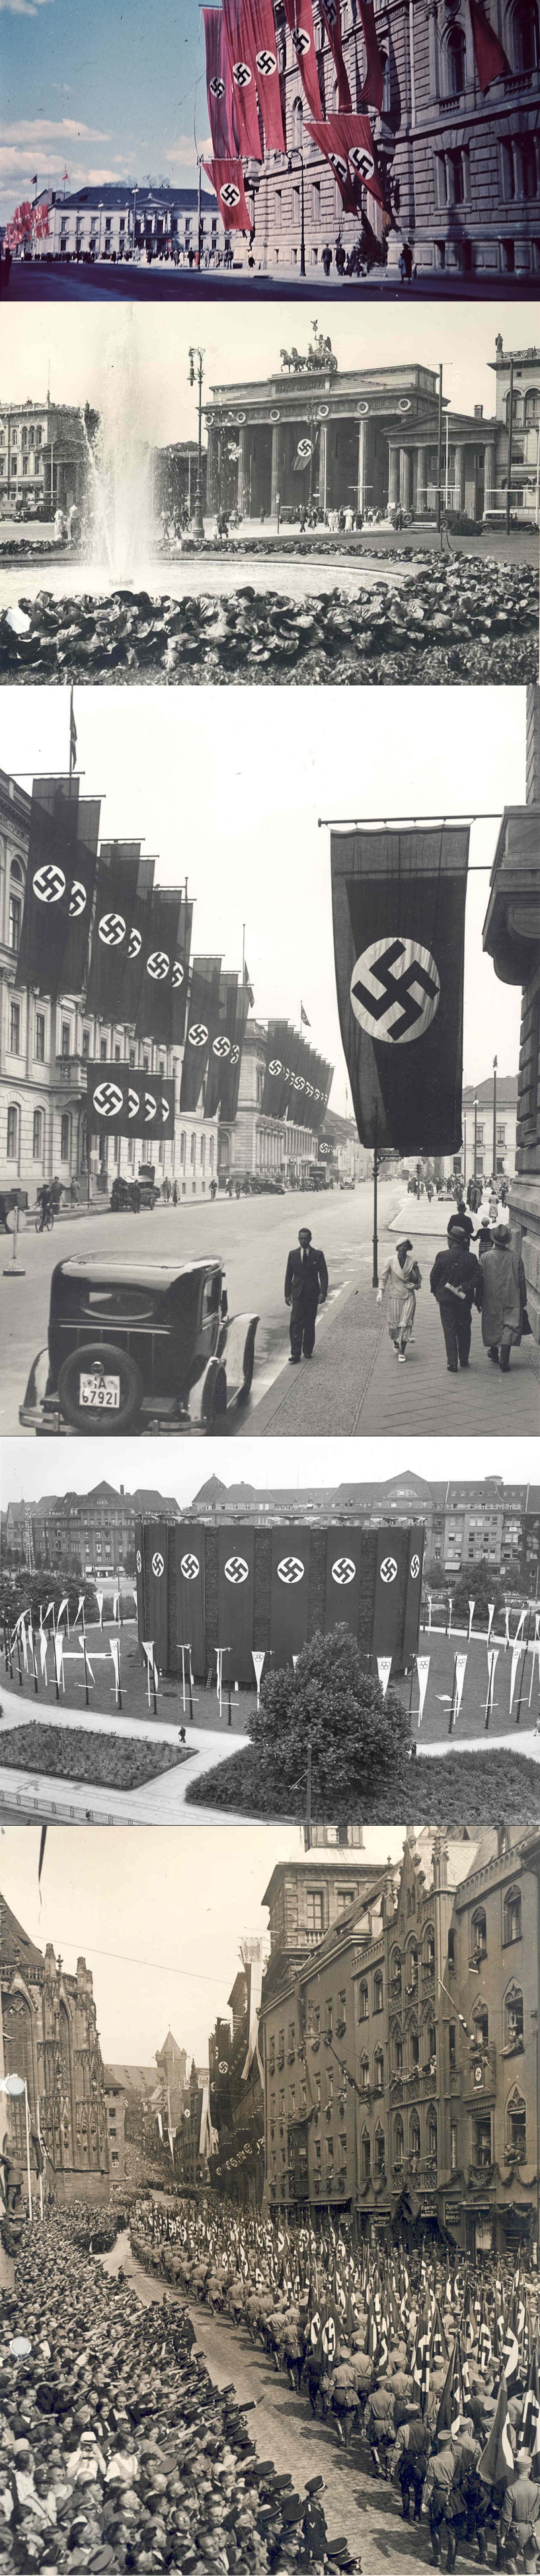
139	1346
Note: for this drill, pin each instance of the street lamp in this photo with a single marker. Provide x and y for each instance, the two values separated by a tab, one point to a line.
298	156
196	377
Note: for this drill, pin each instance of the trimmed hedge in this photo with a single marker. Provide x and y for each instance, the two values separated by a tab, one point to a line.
456	1788
76	1753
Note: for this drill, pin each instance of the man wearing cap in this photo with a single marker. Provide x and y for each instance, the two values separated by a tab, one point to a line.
442	2499
409	2460
520	2517
504	1297
456	1283
306	1286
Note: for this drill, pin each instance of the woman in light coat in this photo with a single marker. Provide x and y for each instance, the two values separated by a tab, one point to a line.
402	1276
504	1299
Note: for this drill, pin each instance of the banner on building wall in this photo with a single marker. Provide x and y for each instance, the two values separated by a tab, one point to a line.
236	1603
391	1564
331	14
161	1012
373	83
399	931
123	1103
289	1592
347	143
76	948
260	20
299	15
114	973
239	43
190	1592
202	1027
222	1043
275	1058
59	884
342	1580
218	84
491	61
156	1588
139	1578
227	179
230	1080
413	1592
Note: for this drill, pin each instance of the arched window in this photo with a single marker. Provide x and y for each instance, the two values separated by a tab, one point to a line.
378	2071
513	2018
297	121
193	1150
481	2025
429	1947
414	2135
532	406
364	2074
397	2052
365	2155
183	1150
13	1129
432	2132
203	1152
398	2144
516	2128
16	898
363	2003
525	36
512	1915
211	1153
37	1136
456	58
479	1936
395	1974
377	1991
411	1970
379	2158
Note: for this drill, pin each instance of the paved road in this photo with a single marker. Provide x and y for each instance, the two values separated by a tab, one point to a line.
253	1237
31	283
367	2513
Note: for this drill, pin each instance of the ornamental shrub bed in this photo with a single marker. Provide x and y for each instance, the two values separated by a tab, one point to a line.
448	1790
103	1761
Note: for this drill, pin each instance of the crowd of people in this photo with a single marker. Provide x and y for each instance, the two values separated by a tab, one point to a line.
492	1281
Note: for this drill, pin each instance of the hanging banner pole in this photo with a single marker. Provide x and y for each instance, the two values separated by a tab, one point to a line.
375	1212
27	2124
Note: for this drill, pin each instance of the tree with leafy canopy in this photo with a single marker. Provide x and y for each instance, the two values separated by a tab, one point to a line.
479	1583
358	1739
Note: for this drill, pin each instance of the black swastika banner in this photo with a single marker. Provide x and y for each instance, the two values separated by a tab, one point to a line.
189	1557
156	1589
392	1553
413	1592
399	933
289	1592
342	1592
122	1103
236	1582
59	886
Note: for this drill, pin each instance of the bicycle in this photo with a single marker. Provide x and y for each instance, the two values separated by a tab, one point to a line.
45	1220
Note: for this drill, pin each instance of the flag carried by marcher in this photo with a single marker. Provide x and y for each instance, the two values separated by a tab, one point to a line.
497	2464
452	2404
399	934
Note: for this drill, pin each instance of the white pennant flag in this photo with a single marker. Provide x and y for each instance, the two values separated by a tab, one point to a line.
295	1661
536	1624
99	1599
422	1667
460	1666
491	1615
148	1650
80	1606
24	1640
115	1604
63	1606
114	1650
49	1613
535	1661
516	1660
471	1617
519	1626
43	1643
384	1668
59	1660
257	1660
507	1629
219	1669
492	1660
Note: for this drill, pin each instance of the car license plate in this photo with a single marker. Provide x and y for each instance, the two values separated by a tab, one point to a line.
99	1392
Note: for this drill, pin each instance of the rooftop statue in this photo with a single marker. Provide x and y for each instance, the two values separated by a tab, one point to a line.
319	360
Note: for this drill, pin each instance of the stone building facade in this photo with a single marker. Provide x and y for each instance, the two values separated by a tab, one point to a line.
118	220
512	938
461	170
50	2037
236	2094
280	1148
372	433
399	2042
42	455
96	1531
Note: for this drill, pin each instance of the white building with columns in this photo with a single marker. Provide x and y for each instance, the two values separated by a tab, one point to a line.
370	439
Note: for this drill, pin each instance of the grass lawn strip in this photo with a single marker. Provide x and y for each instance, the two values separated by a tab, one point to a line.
465	1787
77	1753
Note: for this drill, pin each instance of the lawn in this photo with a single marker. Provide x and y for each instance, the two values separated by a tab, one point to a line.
459	1788
76	1753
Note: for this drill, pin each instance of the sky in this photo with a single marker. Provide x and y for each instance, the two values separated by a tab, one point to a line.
228	786
79	349
26	1473
107	92
157	1914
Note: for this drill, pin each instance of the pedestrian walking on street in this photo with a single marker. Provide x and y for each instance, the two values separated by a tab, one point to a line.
403	1277
504	1304
462	1220
327	259
306	1287
456	1282
213	1191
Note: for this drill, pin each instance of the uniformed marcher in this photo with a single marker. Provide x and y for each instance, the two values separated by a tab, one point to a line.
409	2460
443	2500
306	1286
520	2517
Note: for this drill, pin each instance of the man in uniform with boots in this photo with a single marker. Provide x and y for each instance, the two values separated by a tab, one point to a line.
409	2460
306	1286
443	2500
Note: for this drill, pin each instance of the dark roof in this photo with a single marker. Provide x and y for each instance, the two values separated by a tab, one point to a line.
141	2080
507	1090
117	193
16	1948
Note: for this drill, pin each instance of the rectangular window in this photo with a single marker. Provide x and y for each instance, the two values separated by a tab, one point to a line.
103	1050
65	1037
86	1045
15	918
314	1909
316	201
65	1127
278	202
12	1135
37	1136
453	2146
15	1028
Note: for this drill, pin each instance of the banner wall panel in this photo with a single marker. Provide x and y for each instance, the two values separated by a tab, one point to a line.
289	1592
343	1569
236	1594
156	1587
413	1591
189	1594
392	1559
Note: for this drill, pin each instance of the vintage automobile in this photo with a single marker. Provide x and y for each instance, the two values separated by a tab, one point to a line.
10	1196
139	1346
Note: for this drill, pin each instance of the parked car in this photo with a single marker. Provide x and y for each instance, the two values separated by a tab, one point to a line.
139	1346
346	1183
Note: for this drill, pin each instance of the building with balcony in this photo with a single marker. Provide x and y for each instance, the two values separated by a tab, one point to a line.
399	2039
236	2092
96	1532
465	1520
121	220
511	936
495	1128
42	456
50	2038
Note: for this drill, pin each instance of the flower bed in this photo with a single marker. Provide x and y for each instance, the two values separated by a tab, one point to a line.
458	1787
76	1753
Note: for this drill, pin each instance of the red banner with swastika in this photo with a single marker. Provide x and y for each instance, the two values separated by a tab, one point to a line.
260	19
227	178
299	15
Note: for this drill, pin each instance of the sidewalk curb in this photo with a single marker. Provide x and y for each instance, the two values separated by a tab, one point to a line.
263	1414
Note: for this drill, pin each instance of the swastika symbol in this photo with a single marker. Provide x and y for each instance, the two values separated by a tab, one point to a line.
189	1567
242	75
291	1570
77	900
158	965
198	1034
395	990
361	161
415	1567
338	164
108	1099
217	88
112	929
266	63
221	1046
275	1066
158	1567
150	1106
133	1104
49	884
230	195
388	1569
236	1570
177	975
343	1571
134	943
235	1051
328	2339
304	448
301	41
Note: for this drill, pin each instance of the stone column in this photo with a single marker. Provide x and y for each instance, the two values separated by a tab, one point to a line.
489	479
211	467
421	479
275	483
393	477
405	462
323	464
241	468
459	479
361	464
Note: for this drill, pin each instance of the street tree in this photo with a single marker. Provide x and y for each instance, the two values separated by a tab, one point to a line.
479	1583
359	1740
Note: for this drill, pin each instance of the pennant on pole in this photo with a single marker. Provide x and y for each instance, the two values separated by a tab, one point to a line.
472	1606
384	1668
460	1666
43	1643
99	1599
114	1651
492	1659
422	1667
257	1660
516	1660
491	1616
59	1661
79	1609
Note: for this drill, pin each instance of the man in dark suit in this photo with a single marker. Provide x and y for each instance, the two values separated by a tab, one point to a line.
306	1284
